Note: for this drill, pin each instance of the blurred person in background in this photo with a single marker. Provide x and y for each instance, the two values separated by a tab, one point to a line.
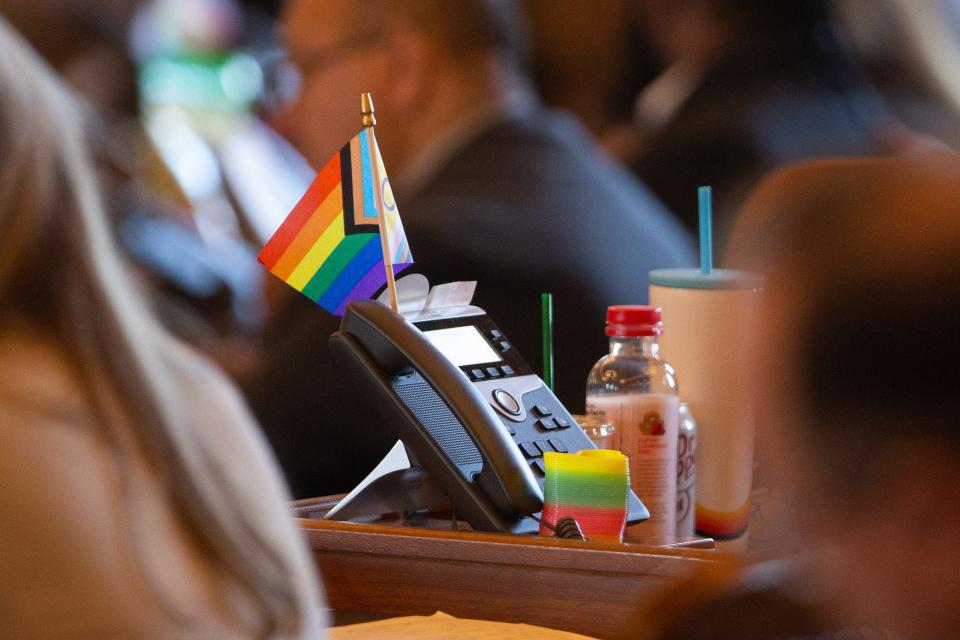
911	51
140	500
857	378
747	86
86	42
491	186
172	211
590	59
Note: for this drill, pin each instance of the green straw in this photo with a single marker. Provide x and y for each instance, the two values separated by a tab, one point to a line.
706	230
546	322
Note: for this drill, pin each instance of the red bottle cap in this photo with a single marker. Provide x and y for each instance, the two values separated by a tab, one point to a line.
633	320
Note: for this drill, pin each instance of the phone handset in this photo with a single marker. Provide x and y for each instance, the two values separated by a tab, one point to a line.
395	346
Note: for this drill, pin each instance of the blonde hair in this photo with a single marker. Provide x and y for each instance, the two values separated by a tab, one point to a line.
60	270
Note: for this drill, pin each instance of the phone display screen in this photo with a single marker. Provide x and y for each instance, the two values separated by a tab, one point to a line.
463	346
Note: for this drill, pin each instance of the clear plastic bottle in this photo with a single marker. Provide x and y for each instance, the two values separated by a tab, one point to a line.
637	391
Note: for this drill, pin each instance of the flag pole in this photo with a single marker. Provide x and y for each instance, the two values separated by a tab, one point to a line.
369	120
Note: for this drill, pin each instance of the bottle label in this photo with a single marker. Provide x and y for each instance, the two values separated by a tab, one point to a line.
648	424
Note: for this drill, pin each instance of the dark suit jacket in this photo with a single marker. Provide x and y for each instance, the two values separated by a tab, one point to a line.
528	206
770	99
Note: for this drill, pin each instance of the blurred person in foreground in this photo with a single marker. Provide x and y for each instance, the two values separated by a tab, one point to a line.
747	86
858	377
140	501
491	186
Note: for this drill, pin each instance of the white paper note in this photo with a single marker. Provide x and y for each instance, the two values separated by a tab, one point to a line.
395	460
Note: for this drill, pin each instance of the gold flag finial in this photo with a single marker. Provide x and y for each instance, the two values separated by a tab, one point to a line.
367	118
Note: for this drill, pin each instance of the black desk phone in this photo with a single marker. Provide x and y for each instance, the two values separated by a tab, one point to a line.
466	405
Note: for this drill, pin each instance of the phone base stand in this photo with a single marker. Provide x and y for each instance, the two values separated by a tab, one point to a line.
402	491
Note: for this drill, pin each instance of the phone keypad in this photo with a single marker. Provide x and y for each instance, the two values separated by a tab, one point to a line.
542	410
547	429
546	424
529	449
486	373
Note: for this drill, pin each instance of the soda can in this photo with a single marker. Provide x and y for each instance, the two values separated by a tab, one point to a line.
686	472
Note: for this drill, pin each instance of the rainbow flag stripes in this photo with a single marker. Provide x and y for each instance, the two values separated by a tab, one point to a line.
591	486
331	246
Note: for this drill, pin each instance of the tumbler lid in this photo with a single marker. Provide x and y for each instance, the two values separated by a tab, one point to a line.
696	279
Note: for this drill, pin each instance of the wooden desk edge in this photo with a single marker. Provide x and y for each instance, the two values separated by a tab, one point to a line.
494	548
393	570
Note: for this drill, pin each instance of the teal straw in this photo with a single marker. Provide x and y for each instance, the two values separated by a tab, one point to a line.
706	230
546	323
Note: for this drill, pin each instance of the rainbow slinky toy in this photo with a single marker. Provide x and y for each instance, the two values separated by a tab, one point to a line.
591	486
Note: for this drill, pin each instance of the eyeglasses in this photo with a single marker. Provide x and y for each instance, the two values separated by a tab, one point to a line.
284	78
